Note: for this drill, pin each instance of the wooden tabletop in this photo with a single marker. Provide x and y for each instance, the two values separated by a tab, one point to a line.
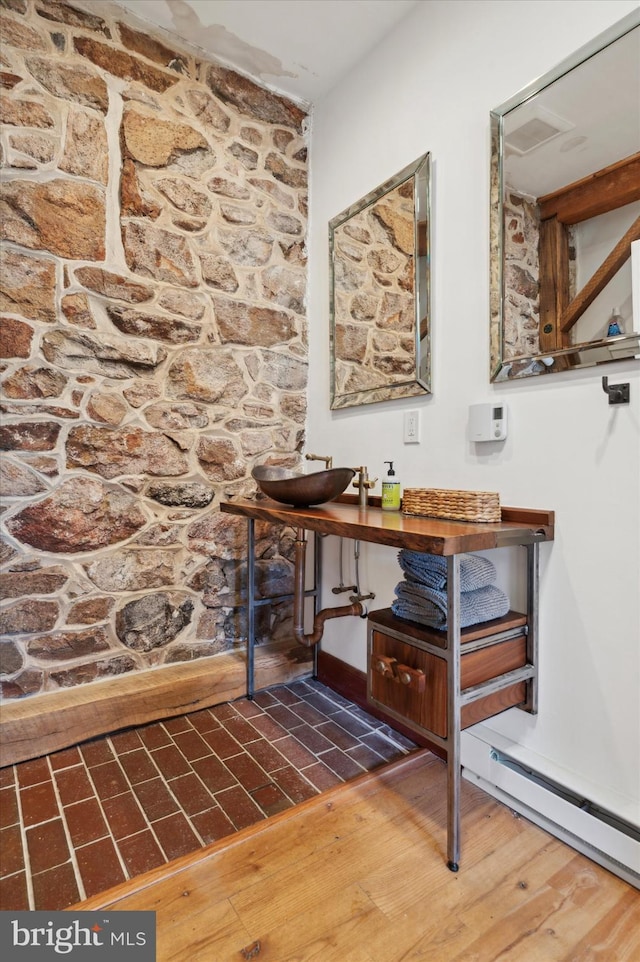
347	519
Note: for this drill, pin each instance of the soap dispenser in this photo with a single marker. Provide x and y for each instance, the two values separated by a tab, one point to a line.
390	490
615	324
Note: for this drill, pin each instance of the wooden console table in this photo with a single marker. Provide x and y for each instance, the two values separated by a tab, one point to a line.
517	527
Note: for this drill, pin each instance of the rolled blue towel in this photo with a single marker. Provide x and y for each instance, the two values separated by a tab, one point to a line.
429	607
431	570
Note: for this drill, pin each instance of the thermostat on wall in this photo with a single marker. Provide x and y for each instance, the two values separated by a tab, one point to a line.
488	422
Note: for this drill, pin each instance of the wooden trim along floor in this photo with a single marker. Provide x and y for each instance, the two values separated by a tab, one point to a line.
358	874
36	726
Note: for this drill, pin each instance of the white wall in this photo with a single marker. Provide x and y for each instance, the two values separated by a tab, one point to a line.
429	87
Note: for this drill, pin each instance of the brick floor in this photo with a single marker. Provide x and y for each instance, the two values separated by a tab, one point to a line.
80	821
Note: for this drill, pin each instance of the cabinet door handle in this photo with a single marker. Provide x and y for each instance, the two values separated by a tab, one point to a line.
411	677
385	666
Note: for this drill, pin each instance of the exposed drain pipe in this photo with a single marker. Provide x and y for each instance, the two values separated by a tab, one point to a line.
309	641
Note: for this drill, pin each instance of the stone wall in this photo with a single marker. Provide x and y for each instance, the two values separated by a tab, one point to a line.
522	276
153	345
521	335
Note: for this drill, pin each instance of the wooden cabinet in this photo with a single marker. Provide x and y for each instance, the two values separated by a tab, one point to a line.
410	681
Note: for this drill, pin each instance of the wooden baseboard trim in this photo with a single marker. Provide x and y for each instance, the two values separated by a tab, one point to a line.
42	724
351	683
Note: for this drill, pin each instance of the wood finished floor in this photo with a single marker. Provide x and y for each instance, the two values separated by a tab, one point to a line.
358	875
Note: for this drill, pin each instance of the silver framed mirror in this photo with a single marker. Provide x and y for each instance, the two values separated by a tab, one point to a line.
565	213
380	316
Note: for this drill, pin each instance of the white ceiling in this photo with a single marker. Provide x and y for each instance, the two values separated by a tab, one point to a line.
301	48
598	99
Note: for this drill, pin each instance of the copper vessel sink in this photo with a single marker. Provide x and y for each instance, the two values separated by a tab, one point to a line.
301	490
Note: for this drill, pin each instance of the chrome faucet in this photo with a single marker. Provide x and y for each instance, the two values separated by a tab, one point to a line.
320	457
363	484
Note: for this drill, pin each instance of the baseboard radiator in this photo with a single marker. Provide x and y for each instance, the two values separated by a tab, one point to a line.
601	835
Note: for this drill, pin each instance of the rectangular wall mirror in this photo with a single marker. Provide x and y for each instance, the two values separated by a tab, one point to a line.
565	210
380	316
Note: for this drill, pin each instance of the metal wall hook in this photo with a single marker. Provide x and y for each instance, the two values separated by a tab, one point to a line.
618	393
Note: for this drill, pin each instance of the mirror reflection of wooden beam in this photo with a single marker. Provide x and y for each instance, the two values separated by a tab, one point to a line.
597	283
608	189
605	190
554	281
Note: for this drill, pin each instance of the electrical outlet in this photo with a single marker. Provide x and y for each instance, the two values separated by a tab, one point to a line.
411	427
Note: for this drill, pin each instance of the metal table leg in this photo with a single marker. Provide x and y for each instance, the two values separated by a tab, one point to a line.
251	606
453	712
317	577
533	590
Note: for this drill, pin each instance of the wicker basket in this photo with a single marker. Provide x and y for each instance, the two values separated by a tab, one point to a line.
453	505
